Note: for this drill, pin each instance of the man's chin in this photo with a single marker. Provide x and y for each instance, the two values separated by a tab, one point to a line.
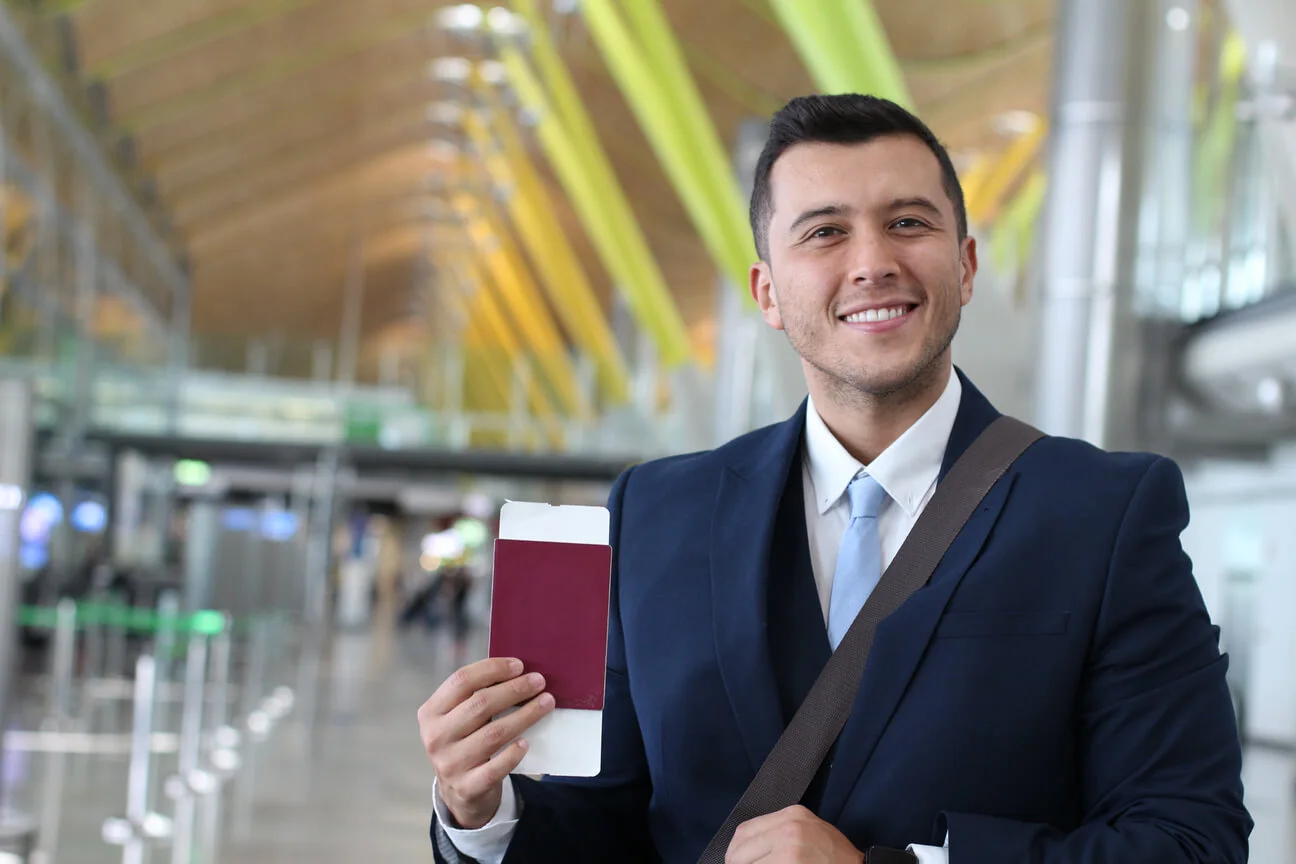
899	380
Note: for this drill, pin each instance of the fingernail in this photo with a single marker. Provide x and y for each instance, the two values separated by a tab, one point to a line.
535	679
522	744
515	666
546	700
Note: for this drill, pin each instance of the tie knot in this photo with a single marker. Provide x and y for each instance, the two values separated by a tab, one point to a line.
866	496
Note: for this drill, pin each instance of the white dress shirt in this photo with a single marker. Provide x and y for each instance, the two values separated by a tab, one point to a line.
907	471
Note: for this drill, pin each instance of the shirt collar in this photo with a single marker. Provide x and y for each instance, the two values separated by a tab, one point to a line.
906	470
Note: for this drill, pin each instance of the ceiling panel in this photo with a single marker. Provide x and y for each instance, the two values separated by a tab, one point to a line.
281	133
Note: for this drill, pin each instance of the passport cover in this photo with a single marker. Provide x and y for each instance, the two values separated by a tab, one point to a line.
549	609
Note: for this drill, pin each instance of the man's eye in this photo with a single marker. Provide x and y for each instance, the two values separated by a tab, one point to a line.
910	222
825	231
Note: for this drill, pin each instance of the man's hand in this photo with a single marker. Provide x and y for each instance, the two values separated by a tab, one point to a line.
466	747
791	836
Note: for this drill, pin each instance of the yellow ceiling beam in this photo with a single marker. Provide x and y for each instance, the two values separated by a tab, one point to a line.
496	343
571	145
564	278
522	300
990	193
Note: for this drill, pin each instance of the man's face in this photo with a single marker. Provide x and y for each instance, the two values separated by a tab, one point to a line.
866	273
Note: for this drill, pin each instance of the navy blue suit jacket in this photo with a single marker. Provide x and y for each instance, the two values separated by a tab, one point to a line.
1054	695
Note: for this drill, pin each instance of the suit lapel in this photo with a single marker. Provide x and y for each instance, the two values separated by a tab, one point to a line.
975	413
902	638
742	532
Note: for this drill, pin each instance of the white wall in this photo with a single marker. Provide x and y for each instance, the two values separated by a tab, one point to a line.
1244	523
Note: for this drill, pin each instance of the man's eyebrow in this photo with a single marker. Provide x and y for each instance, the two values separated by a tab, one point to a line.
818	212
918	202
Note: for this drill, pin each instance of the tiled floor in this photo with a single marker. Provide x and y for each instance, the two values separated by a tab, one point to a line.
355	785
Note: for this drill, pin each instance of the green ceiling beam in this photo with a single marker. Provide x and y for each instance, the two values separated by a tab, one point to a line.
844	46
573	148
647	64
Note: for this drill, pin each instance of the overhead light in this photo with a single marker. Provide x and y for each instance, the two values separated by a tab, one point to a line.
478	505
446	113
442	150
463	18
492	72
446	544
451	70
191	472
1269	393
1016	123
1178	19
502	22
11	496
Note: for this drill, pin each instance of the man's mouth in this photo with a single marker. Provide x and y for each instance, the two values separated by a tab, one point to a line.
871	316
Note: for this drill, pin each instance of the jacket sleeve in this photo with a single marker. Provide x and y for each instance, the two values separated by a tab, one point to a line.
1161	758
604	818
443	850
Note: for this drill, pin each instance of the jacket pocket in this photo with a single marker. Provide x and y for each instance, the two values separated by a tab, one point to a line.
964	625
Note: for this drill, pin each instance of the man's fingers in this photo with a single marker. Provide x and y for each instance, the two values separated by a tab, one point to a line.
477	710
467	681
758	837
483	778
750	850
481	746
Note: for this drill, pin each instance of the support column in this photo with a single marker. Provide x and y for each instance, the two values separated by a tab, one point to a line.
1091	223
16	832
352	312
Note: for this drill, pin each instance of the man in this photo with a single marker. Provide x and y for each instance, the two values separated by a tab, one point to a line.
1055	693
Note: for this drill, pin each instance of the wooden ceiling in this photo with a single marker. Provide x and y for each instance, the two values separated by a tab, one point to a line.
282	132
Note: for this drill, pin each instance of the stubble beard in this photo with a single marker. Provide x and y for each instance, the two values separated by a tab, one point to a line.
848	385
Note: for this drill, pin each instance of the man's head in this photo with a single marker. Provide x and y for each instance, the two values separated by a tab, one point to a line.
865	261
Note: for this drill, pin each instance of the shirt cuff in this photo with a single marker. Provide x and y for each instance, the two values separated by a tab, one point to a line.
489	843
929	854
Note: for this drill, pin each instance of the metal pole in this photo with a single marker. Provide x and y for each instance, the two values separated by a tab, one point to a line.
223	757
17	832
352	311
15	477
181	324
189	780
58	720
62	659
320	541
140	826
1091	221
141	758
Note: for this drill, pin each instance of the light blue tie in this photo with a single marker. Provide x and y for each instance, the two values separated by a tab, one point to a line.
859	562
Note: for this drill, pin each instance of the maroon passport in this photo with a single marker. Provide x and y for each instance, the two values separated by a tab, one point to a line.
549	609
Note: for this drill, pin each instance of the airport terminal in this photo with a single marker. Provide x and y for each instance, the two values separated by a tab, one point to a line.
297	296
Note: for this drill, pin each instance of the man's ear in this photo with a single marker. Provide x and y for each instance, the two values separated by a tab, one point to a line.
968	269
762	291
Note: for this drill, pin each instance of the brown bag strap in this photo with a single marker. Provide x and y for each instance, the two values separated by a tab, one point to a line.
791	766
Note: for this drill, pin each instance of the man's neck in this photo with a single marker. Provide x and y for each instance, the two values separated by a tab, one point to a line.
866	424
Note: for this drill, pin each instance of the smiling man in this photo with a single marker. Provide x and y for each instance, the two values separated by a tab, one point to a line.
1053	695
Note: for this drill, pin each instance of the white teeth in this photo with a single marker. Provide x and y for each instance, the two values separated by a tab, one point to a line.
872	315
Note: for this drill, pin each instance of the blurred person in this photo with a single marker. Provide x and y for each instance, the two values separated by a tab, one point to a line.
1054	694
455	589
